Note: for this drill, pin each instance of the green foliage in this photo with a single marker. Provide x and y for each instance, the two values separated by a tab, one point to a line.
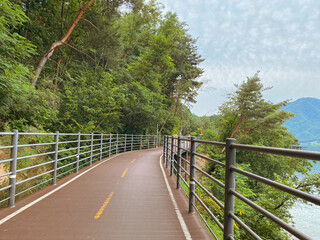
142	108
192	124
20	105
13	49
90	103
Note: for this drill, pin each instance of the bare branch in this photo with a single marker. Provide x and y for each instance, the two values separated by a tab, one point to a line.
84	19
57	44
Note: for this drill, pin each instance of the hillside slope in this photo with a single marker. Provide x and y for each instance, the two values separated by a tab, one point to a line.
306	124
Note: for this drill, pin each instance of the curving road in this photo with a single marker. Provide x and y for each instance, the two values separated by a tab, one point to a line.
124	197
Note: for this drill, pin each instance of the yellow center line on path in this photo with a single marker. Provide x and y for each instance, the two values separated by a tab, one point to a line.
133	160
124	173
98	214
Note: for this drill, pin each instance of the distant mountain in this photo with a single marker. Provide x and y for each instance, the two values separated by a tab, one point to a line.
306	124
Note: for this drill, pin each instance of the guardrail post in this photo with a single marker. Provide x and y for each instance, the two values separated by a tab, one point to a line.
186	165
110	143
78	153
117	143
172	156
125	142
131	142
179	164
140	142
153	141
101	141
13	168
91	149
148	141
55	158
230	184
192	175
164	149
167	151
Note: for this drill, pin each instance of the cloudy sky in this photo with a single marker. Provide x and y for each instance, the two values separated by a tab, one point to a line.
280	38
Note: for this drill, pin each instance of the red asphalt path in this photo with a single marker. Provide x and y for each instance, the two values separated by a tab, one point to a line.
125	197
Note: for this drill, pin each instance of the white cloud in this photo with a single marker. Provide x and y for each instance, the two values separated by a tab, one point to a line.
237	38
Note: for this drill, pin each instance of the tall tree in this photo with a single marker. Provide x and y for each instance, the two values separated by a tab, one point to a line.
248	112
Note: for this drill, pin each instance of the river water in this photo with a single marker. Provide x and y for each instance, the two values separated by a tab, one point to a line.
307	216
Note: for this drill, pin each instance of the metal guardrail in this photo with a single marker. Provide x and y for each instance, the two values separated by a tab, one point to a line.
172	147
61	153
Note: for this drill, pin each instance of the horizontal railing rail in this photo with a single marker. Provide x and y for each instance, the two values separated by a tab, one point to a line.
34	160
173	147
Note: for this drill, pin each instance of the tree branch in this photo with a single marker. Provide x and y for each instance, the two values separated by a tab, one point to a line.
233	133
58	43
98	125
84	19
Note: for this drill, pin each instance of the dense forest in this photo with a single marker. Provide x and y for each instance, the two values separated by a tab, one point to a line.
125	66
94	66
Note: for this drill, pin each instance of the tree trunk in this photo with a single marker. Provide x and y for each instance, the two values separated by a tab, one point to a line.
98	125
57	44
168	115
234	132
165	121
236	127
55	81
